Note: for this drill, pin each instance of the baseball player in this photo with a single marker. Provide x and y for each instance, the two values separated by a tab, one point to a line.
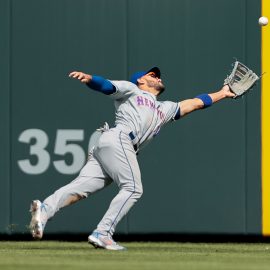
139	117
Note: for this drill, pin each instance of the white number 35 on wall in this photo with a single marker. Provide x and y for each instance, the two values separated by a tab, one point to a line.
64	144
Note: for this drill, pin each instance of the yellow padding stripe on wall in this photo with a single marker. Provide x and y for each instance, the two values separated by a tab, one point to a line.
266	121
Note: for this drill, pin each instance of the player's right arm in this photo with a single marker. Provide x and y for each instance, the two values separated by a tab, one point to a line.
97	83
116	89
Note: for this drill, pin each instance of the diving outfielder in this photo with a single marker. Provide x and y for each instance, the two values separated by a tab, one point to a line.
139	117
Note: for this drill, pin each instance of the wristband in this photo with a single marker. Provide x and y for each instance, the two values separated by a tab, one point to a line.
206	99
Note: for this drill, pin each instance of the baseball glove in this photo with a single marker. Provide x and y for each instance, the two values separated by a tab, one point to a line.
241	79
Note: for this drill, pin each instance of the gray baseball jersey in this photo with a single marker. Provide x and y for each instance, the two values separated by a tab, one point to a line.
139	112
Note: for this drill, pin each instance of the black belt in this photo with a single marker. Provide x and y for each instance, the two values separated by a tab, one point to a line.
132	137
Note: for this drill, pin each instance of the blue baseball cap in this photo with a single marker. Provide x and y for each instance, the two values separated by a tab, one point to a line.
139	74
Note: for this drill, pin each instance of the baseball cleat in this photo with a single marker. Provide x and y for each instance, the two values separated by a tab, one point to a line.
37	225
99	240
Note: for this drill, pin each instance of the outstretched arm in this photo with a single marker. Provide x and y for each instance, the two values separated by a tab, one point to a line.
94	82
189	105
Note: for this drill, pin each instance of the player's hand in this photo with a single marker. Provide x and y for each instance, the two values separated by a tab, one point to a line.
84	78
227	92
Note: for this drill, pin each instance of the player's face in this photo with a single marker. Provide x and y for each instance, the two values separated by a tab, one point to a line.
154	82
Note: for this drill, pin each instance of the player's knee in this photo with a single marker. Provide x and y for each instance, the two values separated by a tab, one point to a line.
138	192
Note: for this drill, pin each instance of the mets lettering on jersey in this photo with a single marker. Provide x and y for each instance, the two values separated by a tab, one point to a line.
140	112
143	101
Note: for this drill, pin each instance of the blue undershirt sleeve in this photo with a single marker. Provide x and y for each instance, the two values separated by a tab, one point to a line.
177	115
101	85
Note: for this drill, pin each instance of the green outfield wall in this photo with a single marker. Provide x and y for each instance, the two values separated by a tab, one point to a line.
201	175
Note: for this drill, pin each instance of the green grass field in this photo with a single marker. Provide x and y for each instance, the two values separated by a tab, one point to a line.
140	256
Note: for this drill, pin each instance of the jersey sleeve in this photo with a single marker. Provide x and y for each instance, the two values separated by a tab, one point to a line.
171	111
124	89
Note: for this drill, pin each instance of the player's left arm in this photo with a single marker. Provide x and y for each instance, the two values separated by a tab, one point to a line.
203	101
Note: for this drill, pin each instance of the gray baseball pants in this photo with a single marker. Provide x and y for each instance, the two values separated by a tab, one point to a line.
113	160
